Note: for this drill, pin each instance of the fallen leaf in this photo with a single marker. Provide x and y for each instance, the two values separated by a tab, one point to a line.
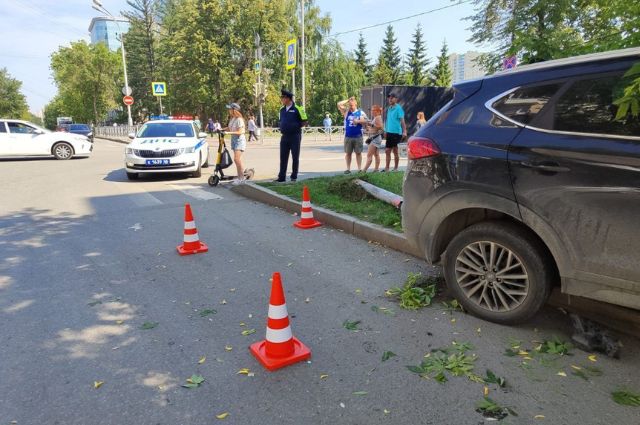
228	347
561	373
523	353
202	359
538	417
289	265
223	302
243	324
119	322
387	355
232	289
386	412
248	332
207	312
307	300
149	325
478	330
453	320
222	415
342	405
576	367
360	393
486	391
593	358
243	371
324	376
358	291
407	260
97	384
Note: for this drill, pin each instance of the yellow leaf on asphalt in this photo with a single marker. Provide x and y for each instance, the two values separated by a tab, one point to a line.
538	417
386	412
119	322
486	391
290	264
453	320
523	353
243	324
576	367
478	330
222	415
228	347
243	371
561	373
358	291
324	376
527	358
97	384
248	332
202	359
593	358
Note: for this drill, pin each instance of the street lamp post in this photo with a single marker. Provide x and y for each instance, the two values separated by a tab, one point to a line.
97	5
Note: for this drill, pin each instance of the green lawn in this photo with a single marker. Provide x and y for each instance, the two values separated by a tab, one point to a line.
341	194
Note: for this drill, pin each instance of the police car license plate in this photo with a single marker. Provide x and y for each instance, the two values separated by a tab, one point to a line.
157	162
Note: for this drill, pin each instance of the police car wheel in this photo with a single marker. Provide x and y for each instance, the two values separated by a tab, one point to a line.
198	172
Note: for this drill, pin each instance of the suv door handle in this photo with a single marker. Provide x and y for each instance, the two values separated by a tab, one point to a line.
552	167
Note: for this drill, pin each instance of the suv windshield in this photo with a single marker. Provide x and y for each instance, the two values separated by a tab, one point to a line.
166	130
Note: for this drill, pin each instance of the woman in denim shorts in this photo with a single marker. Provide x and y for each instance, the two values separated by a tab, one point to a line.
236	129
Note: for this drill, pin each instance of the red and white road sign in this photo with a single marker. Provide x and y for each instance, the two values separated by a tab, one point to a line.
127	100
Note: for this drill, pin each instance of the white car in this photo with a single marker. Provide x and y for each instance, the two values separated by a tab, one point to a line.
166	146
22	138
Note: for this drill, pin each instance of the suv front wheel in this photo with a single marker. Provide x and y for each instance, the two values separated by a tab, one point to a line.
498	272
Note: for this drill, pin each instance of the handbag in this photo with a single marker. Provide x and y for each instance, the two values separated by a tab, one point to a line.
225	160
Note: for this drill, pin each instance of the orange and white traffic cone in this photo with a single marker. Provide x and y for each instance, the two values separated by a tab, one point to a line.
306	216
191	244
280	348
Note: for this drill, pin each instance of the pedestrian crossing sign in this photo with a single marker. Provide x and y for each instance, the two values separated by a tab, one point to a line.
159	88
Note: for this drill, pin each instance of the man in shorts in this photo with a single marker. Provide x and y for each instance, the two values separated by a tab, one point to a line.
353	120
395	130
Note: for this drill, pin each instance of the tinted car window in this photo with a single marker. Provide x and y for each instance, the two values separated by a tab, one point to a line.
588	107
16	127
81	127
167	130
3	129
523	104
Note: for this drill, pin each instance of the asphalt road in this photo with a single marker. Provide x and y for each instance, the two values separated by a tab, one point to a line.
87	258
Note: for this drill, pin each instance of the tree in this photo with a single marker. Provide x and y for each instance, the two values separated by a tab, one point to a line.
52	111
417	61
382	74
441	73
391	54
362	56
141	44
13	104
89	78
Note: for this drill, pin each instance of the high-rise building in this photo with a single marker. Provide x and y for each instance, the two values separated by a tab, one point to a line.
105	29
464	66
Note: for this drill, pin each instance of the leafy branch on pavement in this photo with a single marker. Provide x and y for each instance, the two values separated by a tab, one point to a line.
387	355
193	382
492	378
207	312
418	291
555	346
442	361
490	409
452	306
626	398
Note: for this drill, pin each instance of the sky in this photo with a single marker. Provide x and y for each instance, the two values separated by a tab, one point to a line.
31	30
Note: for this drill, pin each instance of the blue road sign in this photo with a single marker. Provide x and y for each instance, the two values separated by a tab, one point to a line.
159	88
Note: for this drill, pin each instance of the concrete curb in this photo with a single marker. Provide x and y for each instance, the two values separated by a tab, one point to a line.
361	229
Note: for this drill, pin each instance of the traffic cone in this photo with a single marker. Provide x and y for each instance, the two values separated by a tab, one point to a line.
306	216
280	348
192	244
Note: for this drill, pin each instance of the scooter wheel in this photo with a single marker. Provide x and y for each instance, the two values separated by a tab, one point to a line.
248	174
213	180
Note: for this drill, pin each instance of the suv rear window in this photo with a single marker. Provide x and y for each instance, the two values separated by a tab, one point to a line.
523	104
588	107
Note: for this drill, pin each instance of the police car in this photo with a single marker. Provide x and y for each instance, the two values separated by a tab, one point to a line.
166	146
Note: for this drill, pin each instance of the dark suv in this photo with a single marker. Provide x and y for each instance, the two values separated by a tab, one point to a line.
529	178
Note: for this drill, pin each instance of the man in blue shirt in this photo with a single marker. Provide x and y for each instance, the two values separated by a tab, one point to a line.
395	129
292	119
353	120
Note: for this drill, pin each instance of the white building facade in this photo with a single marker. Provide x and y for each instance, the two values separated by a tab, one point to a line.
464	66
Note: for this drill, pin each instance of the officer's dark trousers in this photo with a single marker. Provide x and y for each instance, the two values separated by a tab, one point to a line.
289	143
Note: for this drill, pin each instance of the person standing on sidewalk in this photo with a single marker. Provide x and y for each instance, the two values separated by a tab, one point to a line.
395	129
375	129
292	119
326	122
353	120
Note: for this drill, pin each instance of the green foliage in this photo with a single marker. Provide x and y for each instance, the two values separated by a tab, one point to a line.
89	78
52	111
390	52
207	311
490	409
387	355
362	57
441	73
417	60
352	326
417	291
555	346
446	361
194	381
491	378
626	398
629	103
13	104
149	325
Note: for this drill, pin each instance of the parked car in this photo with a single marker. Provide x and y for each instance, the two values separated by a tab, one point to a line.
83	129
166	146
22	138
529	178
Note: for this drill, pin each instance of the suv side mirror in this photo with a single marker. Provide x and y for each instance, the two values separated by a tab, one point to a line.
132	135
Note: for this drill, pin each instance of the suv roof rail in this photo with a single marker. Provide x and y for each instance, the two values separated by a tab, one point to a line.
592	57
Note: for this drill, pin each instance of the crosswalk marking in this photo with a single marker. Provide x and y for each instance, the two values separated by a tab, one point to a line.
196	192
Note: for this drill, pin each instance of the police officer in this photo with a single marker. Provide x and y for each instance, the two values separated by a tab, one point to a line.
292	119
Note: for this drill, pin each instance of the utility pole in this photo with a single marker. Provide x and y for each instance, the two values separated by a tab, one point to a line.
302	51
260	91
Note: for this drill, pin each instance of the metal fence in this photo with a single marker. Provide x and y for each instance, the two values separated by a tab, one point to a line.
121	131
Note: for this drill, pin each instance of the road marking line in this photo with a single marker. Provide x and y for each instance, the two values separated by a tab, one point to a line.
196	192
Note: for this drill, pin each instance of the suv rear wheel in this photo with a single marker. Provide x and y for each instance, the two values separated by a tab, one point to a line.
498	272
